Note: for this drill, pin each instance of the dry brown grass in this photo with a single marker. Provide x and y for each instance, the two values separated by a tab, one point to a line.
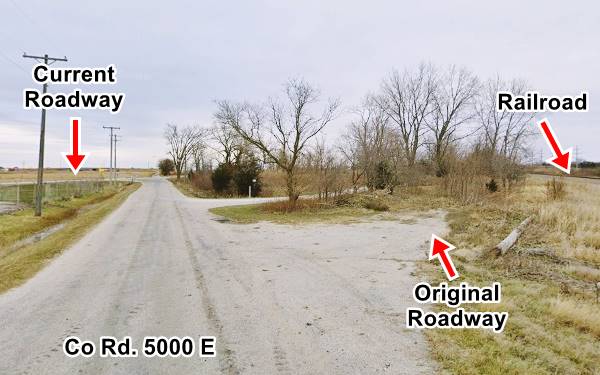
575	171
307	205
573	223
580	314
553	319
569	226
18	265
585	273
65	174
273	183
555	189
186	188
345	208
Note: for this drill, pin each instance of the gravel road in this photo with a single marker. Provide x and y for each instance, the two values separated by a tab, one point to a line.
315	299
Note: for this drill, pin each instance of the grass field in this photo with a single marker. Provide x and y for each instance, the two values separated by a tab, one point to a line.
17	264
25	175
309	211
24	193
592	172
553	325
345	208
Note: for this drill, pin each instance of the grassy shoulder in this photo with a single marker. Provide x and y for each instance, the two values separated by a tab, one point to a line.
253	213
18	265
343	209
53	174
552	328
186	188
553	325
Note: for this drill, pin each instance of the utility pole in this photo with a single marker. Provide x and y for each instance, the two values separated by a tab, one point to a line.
116	139
40	172
112	128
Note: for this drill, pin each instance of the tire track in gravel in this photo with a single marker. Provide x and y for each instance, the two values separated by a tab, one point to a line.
227	361
279	355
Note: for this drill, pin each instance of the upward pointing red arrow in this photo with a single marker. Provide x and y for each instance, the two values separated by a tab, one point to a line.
439	248
561	160
75	159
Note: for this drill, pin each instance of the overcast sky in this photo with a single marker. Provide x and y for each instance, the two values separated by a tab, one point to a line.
175	58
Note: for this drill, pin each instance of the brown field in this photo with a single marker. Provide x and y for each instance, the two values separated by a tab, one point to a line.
575	172
52	174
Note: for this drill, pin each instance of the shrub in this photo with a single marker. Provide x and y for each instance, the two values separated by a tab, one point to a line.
492	186
166	167
555	189
344	200
376	205
300	205
383	175
247	173
201	180
221	178
466	176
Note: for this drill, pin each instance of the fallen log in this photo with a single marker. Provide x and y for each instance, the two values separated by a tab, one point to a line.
510	240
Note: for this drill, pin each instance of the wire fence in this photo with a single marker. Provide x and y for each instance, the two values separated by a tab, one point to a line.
24	194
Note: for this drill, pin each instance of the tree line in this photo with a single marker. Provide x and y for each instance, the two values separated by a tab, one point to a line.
425	120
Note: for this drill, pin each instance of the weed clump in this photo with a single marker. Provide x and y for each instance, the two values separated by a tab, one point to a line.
492	186
555	189
376	205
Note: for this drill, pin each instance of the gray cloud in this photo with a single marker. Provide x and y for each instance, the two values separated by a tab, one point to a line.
174	60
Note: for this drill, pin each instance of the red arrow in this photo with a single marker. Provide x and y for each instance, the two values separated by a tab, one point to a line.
75	159
561	160
439	248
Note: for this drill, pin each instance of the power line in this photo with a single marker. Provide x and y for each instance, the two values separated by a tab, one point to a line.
13	62
40	29
117	138
40	173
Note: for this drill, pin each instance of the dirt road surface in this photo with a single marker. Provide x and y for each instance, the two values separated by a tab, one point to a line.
318	299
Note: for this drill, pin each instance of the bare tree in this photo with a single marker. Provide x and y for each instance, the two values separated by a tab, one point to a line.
198	154
181	143
327	170
372	146
407	99
504	133
349	150
452	108
280	131
229	142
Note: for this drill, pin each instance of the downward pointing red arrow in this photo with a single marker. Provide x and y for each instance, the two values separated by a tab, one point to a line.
439	248
75	159
561	160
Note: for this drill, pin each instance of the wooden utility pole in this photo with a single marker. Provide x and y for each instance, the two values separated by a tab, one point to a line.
40	172
116	139
112	128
